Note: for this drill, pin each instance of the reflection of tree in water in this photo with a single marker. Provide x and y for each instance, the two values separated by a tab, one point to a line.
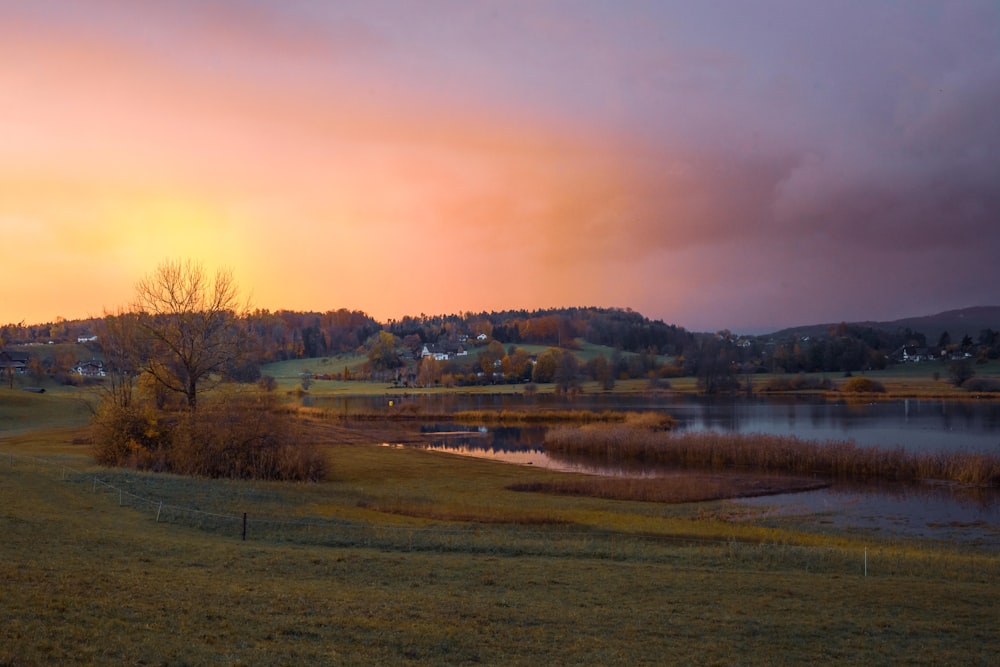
519	437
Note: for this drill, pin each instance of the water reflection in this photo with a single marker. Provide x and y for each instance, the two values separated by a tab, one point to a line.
940	512
523	446
904	511
912	424
916	425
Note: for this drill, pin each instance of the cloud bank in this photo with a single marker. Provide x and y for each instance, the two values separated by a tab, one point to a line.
747	165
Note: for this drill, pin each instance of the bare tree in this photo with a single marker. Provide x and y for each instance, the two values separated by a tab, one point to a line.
117	335
189	326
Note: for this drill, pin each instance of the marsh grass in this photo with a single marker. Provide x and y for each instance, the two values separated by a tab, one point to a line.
620	444
648	419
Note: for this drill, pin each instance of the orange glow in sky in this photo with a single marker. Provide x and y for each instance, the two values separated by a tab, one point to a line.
466	157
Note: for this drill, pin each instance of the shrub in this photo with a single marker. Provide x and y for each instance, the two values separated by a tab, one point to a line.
244	436
130	436
984	385
959	371
234	434
658	383
862	385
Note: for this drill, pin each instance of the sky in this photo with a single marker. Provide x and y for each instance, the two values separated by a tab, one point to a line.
743	164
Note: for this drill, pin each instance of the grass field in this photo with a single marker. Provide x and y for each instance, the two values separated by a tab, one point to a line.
412	557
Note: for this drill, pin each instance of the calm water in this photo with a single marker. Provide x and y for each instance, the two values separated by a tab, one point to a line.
919	425
934	512
929	511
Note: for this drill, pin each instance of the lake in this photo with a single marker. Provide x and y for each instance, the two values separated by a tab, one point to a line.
919	425
937	512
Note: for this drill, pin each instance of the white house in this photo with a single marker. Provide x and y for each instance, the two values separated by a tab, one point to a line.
93	368
438	355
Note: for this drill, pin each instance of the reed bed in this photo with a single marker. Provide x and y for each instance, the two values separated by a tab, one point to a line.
623	444
656	421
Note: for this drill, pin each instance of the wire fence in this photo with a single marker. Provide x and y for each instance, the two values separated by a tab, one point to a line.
561	540
569	540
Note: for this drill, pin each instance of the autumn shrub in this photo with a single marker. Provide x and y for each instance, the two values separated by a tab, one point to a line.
235	434
862	385
134	435
243	435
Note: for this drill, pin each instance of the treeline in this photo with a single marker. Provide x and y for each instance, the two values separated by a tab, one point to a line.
623	329
284	334
718	360
277	335
287	334
848	348
845	348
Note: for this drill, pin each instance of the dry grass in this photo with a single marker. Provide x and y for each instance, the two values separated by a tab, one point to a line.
862	385
649	420
768	453
677	488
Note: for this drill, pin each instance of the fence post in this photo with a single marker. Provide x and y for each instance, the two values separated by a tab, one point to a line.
244	526
158	510
95	483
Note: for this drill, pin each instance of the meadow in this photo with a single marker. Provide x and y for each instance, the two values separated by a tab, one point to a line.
411	557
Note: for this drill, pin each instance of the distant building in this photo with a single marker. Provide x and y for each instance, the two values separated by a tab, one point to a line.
93	368
13	362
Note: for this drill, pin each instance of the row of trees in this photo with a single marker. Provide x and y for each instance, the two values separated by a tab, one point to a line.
559	327
284	334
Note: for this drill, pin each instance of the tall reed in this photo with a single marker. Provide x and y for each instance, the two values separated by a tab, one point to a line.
647	419
621	444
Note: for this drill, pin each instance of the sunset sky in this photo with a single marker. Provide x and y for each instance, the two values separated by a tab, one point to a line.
725	164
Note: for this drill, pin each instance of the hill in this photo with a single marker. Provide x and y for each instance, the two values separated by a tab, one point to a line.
958	323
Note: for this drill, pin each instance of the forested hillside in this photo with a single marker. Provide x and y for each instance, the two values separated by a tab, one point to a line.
285	334
642	347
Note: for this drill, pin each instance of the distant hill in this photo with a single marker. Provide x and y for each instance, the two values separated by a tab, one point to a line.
957	323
